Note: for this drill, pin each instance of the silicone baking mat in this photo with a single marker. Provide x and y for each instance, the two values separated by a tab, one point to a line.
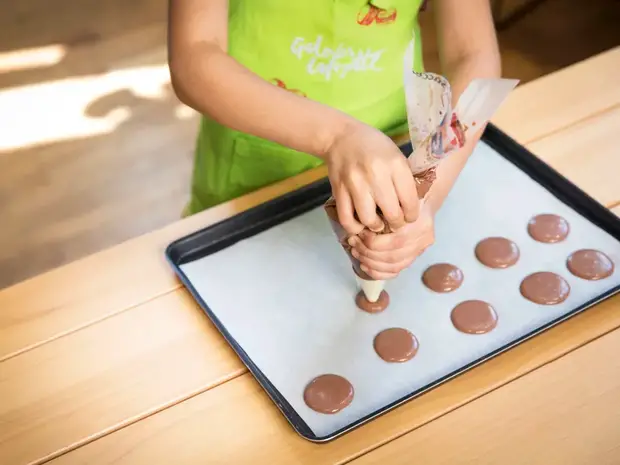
280	288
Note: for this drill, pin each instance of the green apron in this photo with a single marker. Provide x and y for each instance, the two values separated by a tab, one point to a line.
347	54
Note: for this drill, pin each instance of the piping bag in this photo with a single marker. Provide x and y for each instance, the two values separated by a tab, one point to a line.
436	130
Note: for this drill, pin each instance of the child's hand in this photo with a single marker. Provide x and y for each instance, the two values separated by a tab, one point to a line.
383	256
366	171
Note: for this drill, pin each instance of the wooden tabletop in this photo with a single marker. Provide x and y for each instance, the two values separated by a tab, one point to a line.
109	360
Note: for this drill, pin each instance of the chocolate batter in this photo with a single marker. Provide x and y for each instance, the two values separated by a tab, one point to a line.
424	181
442	277
545	288
396	345
590	264
548	228
328	393
497	252
372	307
474	317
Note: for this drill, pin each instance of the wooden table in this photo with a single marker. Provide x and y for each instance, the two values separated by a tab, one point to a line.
109	360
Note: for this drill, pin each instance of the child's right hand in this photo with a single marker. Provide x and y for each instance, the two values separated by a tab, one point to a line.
366	171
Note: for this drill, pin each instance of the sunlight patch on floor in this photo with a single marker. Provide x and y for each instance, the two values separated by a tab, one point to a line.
183	112
32	58
56	111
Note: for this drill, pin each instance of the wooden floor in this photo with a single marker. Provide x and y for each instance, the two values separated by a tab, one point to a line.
94	147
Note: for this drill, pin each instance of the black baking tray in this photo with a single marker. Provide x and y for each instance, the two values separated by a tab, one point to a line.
262	217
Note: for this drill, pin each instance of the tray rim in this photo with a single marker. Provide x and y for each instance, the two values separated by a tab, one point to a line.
312	195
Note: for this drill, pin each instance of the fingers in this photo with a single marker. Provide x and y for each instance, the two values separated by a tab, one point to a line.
344	207
407	194
361	252
386	266
422	229
371	266
369	183
365	207
384	242
389	262
387	201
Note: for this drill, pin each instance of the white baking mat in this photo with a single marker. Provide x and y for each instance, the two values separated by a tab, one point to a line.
286	295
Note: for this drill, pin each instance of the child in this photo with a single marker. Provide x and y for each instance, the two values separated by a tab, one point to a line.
285	85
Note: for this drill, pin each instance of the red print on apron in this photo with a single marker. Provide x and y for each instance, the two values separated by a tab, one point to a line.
370	14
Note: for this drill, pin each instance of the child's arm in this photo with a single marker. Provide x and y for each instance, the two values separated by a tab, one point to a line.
366	168
207	79
468	49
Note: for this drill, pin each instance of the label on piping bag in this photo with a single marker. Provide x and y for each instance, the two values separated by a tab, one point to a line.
435	128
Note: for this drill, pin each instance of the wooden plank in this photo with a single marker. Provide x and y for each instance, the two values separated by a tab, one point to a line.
77	295
237	423
98	379
549	416
589	156
563	97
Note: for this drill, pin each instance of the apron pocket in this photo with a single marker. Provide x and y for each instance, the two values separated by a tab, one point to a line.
258	162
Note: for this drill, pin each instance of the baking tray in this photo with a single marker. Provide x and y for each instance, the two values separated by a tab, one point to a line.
308	200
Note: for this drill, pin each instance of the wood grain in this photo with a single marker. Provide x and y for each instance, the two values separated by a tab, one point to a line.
565	412
565	97
590	156
45	308
98	379
237	423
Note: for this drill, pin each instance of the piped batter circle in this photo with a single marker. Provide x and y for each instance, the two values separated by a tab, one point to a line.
396	345
372	307
590	264
497	252
548	228
442	277
328	393
545	288
474	317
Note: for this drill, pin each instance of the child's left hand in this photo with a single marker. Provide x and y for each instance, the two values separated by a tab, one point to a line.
383	256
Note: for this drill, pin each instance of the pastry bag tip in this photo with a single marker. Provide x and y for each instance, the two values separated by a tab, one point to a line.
371	288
